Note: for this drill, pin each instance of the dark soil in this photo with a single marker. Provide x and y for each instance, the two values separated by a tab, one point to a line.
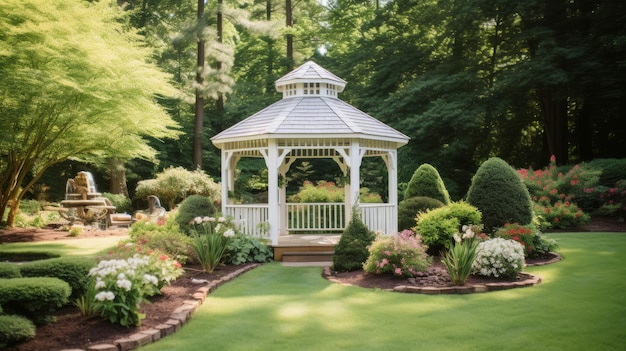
71	330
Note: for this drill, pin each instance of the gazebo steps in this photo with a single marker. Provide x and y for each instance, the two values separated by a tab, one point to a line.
312	256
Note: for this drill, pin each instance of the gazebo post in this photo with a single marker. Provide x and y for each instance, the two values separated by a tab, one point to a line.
272	190
352	199
391	160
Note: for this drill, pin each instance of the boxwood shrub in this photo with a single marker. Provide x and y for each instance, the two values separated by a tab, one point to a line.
15	329
500	195
73	270
33	298
426	181
192	207
9	270
408	209
21	256
438	226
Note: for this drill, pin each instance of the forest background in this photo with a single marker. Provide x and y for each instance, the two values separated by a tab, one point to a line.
465	80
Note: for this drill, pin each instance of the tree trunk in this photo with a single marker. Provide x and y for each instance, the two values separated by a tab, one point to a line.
555	125
289	23
199	108
118	177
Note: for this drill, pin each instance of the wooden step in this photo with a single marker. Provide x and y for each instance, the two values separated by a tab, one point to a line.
312	256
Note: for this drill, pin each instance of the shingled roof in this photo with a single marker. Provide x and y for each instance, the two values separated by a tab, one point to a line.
310	113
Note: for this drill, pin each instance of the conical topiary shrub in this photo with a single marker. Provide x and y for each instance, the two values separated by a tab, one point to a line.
426	181
351	251
500	195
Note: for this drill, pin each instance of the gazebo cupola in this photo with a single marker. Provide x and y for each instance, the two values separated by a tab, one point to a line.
310	121
310	80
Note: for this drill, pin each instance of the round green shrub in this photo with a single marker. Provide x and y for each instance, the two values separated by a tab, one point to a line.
351	251
500	195
9	270
192	207
34	298
14	330
120	201
438	226
73	270
426	181
409	208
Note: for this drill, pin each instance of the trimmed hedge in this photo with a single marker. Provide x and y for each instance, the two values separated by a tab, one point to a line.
33	298
500	195
426	181
14	330
9	270
408	210
72	270
21	256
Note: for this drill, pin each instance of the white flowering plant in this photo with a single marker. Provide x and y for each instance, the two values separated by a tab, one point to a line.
499	258
121	285
209	239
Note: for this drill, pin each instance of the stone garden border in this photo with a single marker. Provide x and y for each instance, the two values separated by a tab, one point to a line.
178	317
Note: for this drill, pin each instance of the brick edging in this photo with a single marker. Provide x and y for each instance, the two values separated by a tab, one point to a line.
529	280
177	318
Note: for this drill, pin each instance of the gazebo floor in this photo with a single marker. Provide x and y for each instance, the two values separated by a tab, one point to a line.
306	248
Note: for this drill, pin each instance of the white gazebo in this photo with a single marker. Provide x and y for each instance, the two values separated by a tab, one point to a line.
309	122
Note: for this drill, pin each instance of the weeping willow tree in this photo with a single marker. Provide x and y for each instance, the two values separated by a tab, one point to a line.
77	84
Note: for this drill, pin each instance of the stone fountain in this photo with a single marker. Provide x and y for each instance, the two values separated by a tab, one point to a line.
83	203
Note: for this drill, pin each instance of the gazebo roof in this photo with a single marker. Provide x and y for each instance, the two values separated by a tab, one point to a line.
310	113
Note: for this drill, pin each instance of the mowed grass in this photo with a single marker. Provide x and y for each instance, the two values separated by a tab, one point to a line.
80	247
580	305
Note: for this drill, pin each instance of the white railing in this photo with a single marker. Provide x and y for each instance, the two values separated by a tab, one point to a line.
312	217
316	217
251	219
380	217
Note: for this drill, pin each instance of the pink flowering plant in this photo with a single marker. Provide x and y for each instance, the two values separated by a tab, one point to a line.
459	258
401	255
209	239
121	285
555	193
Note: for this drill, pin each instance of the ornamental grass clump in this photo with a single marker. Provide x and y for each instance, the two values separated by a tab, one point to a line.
121	286
499	258
460	257
401	255
209	240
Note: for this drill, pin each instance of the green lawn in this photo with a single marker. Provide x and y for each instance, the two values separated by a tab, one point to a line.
85	246
580	305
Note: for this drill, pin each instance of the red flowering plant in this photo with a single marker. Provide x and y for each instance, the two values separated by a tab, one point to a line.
535	244
555	191
614	200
